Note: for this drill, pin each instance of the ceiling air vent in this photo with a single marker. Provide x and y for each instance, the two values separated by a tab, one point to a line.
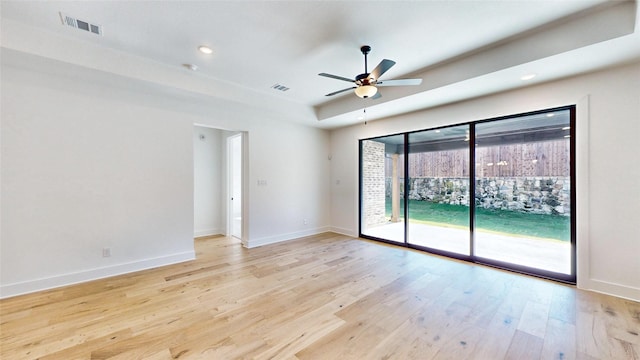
280	87
80	24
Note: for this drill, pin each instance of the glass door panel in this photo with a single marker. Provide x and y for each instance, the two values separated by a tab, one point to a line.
523	191
438	189
382	169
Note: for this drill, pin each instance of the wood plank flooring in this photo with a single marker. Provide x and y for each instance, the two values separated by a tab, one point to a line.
322	297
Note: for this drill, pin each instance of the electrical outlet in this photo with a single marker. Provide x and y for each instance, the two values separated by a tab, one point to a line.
106	252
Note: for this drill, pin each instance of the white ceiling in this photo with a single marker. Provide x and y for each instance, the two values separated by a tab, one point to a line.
461	49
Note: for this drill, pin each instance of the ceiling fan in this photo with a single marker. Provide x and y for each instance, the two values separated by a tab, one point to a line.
367	83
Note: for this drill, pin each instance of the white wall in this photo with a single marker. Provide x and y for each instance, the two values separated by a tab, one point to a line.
81	173
293	165
93	160
608	124
208	192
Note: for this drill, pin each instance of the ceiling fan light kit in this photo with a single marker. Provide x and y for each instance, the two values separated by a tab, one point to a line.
366	91
367	83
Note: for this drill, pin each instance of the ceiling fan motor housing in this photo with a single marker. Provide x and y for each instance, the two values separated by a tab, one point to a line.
363	79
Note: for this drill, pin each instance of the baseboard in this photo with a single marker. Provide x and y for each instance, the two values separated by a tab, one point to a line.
26	287
284	237
622	291
343	231
206	232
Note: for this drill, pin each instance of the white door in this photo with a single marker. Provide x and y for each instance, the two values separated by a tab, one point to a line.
234	171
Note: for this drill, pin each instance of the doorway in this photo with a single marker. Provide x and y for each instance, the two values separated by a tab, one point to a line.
234	183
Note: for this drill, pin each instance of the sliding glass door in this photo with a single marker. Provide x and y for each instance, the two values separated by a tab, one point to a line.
438	189
496	191
381	180
523	191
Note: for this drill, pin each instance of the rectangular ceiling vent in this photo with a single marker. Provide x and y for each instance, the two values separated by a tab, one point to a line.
280	87
80	24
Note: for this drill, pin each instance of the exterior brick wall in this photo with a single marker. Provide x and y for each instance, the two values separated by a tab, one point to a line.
373	183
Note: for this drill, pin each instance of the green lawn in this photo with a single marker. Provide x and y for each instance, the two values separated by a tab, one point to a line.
502	221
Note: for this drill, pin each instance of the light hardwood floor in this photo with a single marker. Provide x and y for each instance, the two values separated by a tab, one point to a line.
323	297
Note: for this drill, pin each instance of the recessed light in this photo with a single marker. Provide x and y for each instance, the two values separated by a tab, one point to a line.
205	49
528	77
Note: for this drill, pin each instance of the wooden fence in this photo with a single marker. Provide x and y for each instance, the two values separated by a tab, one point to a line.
546	158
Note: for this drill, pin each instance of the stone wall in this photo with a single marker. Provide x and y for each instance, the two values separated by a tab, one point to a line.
373	183
538	195
452	191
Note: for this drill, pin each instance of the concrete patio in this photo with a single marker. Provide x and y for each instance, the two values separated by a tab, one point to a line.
546	254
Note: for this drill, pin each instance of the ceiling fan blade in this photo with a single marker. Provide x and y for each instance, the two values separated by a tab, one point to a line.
336	77
340	91
399	82
382	68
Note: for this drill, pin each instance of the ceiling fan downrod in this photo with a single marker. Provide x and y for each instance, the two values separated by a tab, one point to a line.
365	51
